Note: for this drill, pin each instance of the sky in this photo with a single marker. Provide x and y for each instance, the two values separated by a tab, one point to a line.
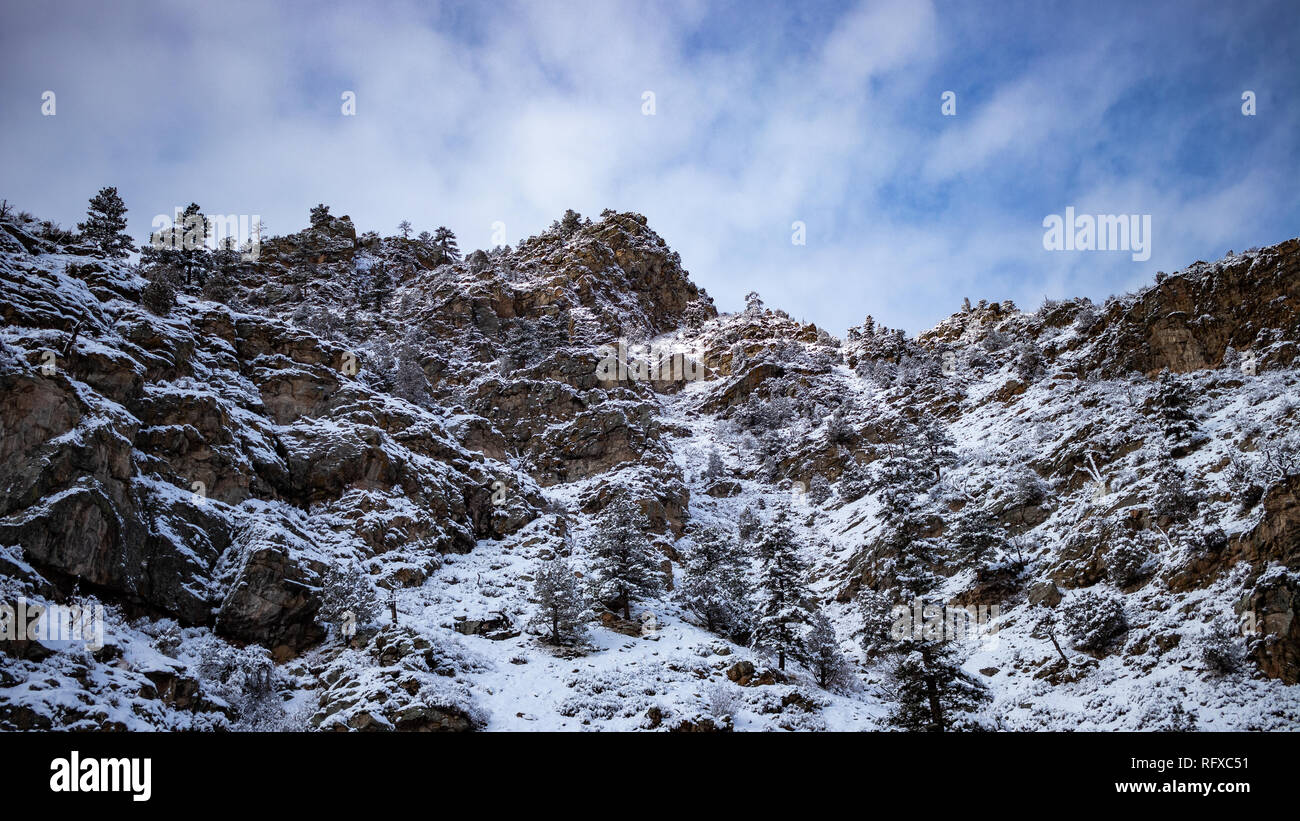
766	117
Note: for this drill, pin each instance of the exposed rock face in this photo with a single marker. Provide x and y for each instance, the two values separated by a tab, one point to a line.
403	693
371	403
137	448
1274	607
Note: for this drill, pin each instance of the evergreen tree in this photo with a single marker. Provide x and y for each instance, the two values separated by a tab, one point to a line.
445	241
819	490
932	693
105	225
409	380
320	216
748	526
1029	361
404	228
713	585
838	429
195	259
714	467
380	365
976	537
1173	404
783	613
854	482
220	285
931	437
877	611
625	565
348	589
381	287
1172	498
562	610
823	653
159	295
931	690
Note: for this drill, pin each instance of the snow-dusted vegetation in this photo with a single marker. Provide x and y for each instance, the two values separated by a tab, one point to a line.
364	483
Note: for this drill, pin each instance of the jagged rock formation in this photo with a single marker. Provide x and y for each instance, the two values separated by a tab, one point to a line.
446	424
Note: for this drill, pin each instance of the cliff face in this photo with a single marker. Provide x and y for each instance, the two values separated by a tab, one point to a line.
446	427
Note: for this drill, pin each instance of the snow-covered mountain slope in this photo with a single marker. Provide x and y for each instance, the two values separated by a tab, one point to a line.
366	425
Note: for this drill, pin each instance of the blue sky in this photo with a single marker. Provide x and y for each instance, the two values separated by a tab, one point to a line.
824	113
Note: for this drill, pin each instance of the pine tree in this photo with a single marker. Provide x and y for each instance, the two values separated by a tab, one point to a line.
381	287
404	228
625	566
931	437
1029	361
976	537
713	585
445	241
348	589
819	490
1172	500
320	216
838	429
159	295
562	609
1173	404
714	467
105	225
748	526
409	380
220	285
570	222
878	618
195	259
854	482
823	653
783	614
931	690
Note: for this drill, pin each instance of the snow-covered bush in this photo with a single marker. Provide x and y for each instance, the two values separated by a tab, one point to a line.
1280	458
748	526
714	467
1219	646
819	490
1129	559
1026	488
1242	477
243	677
838	429
1029	361
1093	619
347	589
618	693
1173	499
723	702
159	296
1165	713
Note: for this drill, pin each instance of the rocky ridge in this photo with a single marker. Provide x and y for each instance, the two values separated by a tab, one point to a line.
204	471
